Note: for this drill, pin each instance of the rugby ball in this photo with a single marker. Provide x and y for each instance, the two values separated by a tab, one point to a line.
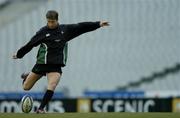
26	104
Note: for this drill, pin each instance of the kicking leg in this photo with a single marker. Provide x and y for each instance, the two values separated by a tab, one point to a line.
53	80
29	80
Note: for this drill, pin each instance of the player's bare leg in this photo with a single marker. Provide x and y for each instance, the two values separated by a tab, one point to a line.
29	80
53	80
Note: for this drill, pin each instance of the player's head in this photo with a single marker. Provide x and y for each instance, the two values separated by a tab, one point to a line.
52	19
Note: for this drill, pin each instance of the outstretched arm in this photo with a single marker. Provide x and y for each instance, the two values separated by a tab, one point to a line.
75	30
35	40
104	23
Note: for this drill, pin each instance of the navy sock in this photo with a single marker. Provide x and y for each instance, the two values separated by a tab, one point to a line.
47	97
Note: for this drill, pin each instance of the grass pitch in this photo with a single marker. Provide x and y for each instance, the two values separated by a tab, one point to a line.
91	115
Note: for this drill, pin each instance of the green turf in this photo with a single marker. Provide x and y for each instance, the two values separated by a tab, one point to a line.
91	115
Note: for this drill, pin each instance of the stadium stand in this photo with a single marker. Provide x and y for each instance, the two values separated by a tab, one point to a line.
16	8
155	77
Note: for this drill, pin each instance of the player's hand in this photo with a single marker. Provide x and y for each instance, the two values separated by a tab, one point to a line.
14	56
104	23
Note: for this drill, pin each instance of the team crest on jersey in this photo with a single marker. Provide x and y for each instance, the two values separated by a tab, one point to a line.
47	35
57	40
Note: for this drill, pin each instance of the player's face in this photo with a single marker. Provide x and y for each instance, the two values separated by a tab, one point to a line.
52	23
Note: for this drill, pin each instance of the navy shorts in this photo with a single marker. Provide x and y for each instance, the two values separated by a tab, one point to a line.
42	69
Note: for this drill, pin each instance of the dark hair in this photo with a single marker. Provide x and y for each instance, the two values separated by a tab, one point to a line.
52	14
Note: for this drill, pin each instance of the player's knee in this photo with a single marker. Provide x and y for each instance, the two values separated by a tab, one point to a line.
26	88
52	86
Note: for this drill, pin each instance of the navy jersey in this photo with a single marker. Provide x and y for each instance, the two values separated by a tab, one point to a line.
54	42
